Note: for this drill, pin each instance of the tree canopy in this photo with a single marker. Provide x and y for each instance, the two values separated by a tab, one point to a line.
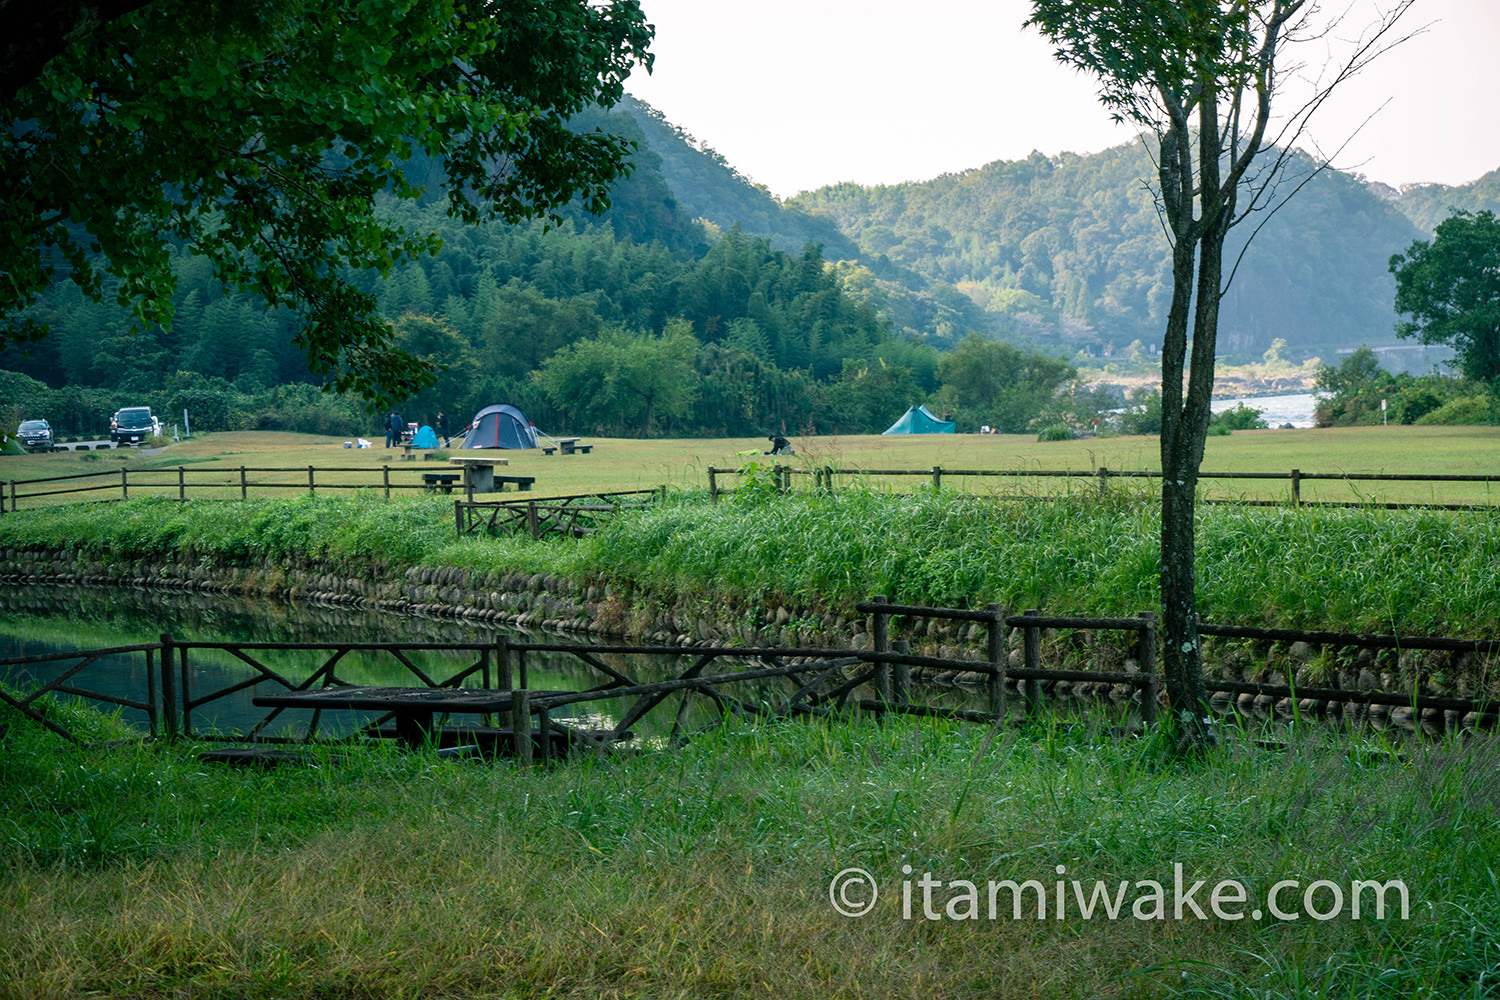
259	135
1450	287
1200	75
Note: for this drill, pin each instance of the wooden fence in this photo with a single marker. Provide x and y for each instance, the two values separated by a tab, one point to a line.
567	516
1100	479
216	481
819	681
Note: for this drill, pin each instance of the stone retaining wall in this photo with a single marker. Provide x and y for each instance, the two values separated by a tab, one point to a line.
609	610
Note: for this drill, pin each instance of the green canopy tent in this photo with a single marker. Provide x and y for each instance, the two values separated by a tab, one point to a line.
919	420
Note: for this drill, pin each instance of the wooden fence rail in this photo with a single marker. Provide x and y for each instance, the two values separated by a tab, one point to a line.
824	477
178	480
568	516
495	674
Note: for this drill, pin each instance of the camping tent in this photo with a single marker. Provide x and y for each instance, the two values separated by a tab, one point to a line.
919	420
425	437
501	426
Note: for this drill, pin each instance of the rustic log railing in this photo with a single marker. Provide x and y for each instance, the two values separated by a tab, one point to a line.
825	478
214	481
568	516
819	681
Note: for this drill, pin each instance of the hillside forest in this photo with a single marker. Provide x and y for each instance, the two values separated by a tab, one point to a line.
701	305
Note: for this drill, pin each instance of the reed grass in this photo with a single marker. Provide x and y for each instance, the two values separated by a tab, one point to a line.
1400	571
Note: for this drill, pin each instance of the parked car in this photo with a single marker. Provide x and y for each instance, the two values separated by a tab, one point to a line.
132	424
35	435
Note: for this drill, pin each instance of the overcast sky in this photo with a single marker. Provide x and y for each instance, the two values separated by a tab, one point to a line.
797	94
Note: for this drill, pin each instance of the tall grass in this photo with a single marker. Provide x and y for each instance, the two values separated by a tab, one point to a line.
1409	571
704	872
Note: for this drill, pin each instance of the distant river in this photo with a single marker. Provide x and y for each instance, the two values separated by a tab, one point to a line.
1296	409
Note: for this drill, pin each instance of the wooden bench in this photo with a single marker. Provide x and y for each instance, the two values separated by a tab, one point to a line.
549	451
523	483
444	481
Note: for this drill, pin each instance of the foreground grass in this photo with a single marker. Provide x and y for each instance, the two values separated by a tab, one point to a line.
1407	572
705	872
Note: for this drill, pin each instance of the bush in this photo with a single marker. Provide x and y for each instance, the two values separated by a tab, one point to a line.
1055	432
1465	410
1241	418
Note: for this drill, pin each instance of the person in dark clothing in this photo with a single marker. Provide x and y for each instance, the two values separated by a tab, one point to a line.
398	427
442	427
779	445
390	428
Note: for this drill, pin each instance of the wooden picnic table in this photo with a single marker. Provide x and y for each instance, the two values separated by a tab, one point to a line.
569	446
413	707
479	474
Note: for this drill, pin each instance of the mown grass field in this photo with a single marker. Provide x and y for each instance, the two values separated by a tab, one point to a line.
629	464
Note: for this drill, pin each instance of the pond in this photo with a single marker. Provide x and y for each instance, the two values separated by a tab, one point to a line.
44	620
49	620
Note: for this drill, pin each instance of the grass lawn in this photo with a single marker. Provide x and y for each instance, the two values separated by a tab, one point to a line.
629	464
136	871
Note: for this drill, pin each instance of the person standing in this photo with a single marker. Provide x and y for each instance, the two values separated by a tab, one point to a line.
442	427
398	427
390	427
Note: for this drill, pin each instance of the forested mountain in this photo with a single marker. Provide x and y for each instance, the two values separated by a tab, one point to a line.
1428	204
1069	250
829	311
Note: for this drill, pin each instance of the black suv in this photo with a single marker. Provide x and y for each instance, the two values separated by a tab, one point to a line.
35	435
134	423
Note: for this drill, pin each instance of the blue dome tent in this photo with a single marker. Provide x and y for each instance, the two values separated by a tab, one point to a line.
501	426
424	438
919	420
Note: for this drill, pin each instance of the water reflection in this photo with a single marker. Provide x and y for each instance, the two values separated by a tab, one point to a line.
47	620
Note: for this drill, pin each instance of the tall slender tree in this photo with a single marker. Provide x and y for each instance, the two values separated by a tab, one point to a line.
1200	77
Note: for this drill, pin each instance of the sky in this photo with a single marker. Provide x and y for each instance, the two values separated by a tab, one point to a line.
798	94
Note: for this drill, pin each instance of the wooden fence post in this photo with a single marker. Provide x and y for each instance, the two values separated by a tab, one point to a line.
937	477
881	629
995	651
181	483
184	686
168	688
502	674
1147	659
312	487
1103	475
520	709
713	485
124	486
244	485
458	518
1031	659
828	478
385	475
531	521
1296	487
901	673
153	709
544	730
